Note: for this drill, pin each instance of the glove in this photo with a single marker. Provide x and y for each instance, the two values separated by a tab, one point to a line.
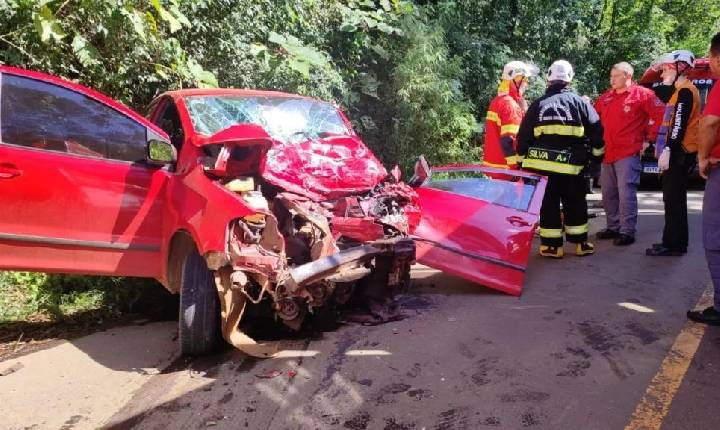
664	159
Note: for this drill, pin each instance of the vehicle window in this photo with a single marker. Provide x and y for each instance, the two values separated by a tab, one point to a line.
169	121
286	119
513	194
47	116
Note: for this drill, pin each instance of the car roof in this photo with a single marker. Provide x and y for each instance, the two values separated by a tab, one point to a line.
239	92
89	92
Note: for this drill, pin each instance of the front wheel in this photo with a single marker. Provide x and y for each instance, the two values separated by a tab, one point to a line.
199	330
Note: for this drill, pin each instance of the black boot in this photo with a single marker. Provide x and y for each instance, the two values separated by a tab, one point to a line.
624	240
608	234
706	316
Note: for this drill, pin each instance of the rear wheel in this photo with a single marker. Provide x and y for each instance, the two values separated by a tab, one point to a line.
199	331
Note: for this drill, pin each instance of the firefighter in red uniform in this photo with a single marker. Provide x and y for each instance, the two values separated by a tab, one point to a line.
504	115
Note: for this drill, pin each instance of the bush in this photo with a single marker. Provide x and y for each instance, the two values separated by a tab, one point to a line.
43	296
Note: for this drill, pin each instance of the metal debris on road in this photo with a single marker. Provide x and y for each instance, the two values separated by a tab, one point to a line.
269	375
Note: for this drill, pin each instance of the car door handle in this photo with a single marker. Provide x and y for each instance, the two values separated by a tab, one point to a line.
9	171
517	221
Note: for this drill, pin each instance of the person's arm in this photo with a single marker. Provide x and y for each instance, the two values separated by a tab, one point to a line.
510	118
664	92
681	119
654	108
593	131
709	128
525	136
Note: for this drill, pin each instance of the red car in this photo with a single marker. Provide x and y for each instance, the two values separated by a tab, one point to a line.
234	198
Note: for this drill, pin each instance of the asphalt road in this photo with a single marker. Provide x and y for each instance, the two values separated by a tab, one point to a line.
599	342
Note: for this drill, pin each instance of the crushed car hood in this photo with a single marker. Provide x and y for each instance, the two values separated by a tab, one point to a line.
320	168
325	168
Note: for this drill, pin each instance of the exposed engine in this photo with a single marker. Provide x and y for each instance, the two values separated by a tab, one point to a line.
304	256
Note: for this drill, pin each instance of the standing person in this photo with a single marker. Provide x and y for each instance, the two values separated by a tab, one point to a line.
676	142
504	115
558	134
708	159
626	111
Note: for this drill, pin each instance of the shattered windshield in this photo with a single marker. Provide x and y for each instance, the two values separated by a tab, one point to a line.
285	119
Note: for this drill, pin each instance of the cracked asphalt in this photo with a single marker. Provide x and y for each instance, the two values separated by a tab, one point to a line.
578	350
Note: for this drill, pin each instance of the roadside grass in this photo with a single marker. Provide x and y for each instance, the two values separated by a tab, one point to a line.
35	297
38	308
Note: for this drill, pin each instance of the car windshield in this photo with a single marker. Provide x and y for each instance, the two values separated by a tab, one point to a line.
285	119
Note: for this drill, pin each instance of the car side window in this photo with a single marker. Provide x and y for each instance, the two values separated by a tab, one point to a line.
47	116
170	123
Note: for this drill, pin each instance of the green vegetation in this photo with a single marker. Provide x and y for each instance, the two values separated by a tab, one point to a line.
415	76
41	297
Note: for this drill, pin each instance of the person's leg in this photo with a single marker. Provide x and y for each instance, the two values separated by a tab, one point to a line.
550	220
711	242
611	204
628	174
674	240
575	211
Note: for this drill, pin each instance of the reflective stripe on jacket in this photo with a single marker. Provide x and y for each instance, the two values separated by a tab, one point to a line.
501	127
560	133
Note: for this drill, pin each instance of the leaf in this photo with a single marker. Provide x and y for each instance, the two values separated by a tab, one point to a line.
257	49
368	84
85	51
137	19
348	27
300	66
166	16
180	16
202	77
47	25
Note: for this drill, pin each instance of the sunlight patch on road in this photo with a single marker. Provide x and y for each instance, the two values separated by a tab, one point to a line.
636	307
367	352
292	353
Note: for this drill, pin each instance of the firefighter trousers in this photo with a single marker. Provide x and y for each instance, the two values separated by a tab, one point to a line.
573	222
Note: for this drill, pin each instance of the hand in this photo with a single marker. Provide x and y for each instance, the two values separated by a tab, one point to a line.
705	164
645	146
664	160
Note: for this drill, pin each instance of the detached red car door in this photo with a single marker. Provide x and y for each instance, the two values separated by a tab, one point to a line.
477	227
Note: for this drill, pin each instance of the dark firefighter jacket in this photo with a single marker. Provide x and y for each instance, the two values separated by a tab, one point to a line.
561	133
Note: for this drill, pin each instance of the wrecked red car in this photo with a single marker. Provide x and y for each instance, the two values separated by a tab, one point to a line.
238	200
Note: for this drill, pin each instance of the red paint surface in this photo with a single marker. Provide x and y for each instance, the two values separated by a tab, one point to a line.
474	239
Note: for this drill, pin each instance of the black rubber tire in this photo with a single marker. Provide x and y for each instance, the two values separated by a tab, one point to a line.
199	321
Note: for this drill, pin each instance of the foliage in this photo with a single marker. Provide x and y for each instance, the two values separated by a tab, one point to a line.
128	49
41	296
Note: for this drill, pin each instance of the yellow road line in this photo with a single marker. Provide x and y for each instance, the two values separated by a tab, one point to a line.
655	404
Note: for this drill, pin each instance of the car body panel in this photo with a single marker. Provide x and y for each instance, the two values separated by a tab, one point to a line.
62	207
480	229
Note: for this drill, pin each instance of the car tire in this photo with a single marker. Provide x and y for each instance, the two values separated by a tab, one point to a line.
199	321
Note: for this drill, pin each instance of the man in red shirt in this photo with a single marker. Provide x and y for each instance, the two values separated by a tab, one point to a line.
708	160
626	112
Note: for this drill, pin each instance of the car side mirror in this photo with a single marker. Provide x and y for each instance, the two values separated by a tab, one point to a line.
161	152
422	173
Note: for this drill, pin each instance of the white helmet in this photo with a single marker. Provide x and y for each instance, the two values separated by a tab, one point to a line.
514	69
677	56
560	70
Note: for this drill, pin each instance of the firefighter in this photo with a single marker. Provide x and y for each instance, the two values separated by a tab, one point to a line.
676	144
504	114
559	136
